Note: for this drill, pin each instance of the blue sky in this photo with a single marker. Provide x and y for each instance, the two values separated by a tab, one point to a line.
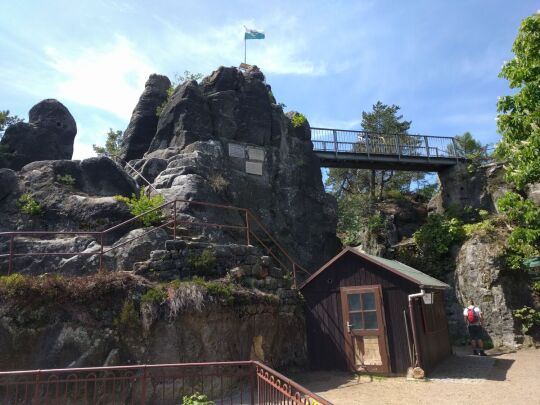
330	60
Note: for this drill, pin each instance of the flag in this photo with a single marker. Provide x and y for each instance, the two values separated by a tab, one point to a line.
253	34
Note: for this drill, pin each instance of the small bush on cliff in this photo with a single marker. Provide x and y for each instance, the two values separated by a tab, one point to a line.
13	284
128	318
298	120
218	183
142	203
66	180
202	262
28	205
438	234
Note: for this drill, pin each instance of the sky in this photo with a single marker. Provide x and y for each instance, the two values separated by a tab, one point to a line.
438	60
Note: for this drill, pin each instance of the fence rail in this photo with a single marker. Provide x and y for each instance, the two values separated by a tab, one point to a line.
237	382
247	224
372	143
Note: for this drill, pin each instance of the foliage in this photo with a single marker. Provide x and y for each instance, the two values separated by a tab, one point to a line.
224	291
519	114
128	319
298	120
28	205
196	399
153	295
529	318
524	240
142	203
536	286
202	262
218	183
112	146
486	227
6	120
378	224
66	180
471	149
12	284
438	234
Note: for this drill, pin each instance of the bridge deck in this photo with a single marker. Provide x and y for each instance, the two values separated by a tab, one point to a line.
370	150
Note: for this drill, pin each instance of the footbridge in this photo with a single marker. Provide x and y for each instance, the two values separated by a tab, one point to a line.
371	150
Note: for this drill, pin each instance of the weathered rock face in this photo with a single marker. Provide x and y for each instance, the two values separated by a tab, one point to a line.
48	135
225	142
85	325
143	123
461	189
480	276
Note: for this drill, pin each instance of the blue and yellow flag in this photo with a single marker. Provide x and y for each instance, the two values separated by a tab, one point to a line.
253	34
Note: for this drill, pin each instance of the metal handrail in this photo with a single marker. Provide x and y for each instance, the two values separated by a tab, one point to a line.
257	384
246	214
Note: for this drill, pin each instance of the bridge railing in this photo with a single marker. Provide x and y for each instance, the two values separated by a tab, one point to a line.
341	141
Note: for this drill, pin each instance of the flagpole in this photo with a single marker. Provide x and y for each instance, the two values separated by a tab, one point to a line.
245	52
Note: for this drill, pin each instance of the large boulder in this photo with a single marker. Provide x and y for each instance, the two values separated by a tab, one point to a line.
143	124
48	135
8	182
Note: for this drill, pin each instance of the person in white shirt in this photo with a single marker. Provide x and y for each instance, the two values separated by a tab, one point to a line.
473	319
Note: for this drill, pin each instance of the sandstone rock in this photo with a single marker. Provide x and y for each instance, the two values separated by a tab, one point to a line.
533	193
8	182
480	276
49	135
143	124
145	171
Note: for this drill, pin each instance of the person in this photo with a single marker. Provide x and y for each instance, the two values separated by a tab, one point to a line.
473	319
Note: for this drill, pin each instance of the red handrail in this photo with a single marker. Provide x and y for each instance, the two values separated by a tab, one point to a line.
249	218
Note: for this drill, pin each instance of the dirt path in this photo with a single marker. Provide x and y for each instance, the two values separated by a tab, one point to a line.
504	379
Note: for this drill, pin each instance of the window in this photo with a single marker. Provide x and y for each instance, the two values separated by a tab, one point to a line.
362	311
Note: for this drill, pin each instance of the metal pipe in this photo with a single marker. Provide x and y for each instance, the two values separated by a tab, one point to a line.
418	360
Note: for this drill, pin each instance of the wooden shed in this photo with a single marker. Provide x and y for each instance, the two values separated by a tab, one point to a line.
367	313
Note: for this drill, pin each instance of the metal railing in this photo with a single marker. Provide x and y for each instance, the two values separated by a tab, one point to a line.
250	226
372	143
235	382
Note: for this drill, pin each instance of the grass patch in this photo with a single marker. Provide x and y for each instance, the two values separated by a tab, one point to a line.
67	180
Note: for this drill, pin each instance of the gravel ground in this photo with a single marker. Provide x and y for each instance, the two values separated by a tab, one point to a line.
512	378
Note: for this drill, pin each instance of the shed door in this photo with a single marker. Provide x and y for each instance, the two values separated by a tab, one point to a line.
365	334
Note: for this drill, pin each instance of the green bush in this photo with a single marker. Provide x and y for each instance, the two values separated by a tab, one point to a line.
378	224
13	284
298	120
138	205
196	399
202	262
524	240
28	205
128	319
438	234
66	180
154	295
529	318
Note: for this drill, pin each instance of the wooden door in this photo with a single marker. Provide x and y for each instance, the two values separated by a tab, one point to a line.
365	332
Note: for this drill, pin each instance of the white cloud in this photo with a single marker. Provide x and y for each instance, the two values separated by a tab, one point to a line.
110	78
82	151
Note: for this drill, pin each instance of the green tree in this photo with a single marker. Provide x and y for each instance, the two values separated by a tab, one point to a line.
112	144
519	114
473	150
6	120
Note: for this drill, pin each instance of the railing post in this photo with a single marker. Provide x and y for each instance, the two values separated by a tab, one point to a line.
101	252
35	400
334	133
174	221
398	147
427	146
367	144
248	240
294	274
143	388
455	149
252	382
10	265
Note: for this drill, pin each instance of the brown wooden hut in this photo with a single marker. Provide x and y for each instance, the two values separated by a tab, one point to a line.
366	313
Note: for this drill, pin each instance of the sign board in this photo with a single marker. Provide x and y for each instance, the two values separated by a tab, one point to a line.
428	298
236	150
254	167
255	153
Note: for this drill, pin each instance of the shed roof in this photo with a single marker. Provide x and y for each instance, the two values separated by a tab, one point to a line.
409	273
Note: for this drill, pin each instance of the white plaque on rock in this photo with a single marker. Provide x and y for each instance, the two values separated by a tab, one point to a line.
255	153
254	167
237	150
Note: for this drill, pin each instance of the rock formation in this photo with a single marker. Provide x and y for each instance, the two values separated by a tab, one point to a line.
48	135
143	123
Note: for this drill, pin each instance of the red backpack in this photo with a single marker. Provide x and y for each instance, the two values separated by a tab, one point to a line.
472	315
